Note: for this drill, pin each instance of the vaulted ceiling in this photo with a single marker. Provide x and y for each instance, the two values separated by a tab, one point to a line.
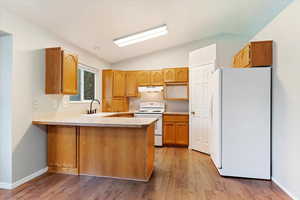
93	24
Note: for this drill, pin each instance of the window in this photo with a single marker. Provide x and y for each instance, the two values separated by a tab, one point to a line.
87	79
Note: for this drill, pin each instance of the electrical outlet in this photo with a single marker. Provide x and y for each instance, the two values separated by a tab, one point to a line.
35	104
54	104
65	102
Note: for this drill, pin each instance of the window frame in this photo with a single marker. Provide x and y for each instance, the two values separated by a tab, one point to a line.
82	68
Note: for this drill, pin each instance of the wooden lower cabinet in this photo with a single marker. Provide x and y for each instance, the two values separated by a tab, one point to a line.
176	130
169	133
117	152
115	105
181	133
120	105
62	149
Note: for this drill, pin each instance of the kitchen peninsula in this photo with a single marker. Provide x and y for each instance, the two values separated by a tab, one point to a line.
101	145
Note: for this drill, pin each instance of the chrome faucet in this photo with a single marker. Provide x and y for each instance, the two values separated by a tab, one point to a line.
93	111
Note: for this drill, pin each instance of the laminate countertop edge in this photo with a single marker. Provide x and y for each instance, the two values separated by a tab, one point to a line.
36	122
96	121
176	113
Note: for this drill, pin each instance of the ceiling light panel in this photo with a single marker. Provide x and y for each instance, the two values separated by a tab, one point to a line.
141	36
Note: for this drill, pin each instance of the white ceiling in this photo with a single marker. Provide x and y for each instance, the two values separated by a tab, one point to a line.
91	23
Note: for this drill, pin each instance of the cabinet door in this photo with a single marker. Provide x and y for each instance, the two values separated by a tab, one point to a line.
169	75
245	57
169	133
143	78
62	147
107	83
182	134
53	71
157	77
69	74
182	75
119	105
119	84
131	84
261	53
107	105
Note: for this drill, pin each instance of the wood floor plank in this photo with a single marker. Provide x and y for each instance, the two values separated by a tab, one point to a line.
180	174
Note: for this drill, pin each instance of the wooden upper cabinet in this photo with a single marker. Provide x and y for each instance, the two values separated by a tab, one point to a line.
114	91
131	84
107	83
182	74
61	72
113	83
70	71
254	54
143	78
157	77
150	78
169	75
176	75
119	84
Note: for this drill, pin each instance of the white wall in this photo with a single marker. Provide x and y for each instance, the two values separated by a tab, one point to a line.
27	86
5	108
285	31
227	46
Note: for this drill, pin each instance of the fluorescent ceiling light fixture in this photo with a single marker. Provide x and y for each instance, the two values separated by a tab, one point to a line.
141	36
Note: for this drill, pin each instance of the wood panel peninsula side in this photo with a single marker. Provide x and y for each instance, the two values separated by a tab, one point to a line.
118	147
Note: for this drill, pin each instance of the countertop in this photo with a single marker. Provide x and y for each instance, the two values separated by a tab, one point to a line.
176	113
96	120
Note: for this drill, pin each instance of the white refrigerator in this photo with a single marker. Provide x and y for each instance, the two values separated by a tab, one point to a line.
240	138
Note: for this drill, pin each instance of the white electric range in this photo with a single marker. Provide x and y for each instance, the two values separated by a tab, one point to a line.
153	110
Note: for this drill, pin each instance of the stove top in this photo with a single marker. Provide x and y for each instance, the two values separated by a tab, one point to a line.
150	111
151	107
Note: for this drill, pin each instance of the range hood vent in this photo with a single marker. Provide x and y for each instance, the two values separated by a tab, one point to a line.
151	89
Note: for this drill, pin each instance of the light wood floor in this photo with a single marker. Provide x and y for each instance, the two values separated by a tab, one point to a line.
179	174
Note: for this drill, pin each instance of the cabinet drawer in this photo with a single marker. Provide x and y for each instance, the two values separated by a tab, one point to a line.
176	118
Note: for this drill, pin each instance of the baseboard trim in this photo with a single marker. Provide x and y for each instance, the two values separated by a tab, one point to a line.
5	186
10	186
284	189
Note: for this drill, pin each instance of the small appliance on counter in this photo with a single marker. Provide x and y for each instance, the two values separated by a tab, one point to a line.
153	110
